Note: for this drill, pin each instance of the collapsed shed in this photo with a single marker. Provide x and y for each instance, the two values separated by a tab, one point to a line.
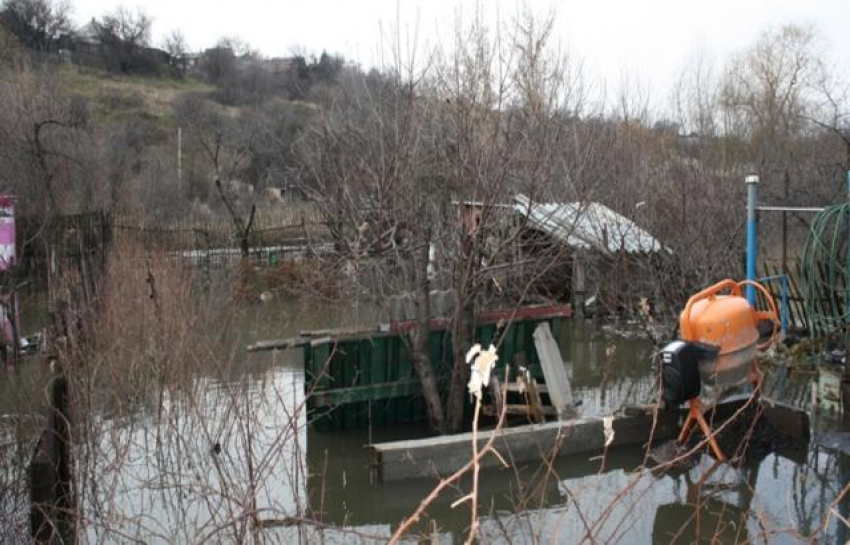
606	253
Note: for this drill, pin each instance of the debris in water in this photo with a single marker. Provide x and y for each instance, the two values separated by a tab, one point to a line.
608	425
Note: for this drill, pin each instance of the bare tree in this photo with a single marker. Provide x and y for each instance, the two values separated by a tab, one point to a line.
175	45
767	90
45	139
37	23
226	145
417	172
124	35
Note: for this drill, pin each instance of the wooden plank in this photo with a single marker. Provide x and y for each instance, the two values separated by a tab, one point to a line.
535	405
526	313
514	387
439	456
554	371
792	309
793	275
513	408
392	330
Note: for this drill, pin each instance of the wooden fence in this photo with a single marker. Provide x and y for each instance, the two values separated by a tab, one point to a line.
796	311
216	242
822	302
299	230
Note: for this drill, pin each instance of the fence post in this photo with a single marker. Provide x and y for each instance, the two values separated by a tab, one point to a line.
784	303
52	503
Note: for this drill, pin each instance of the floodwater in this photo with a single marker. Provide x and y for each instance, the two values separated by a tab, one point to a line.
202	463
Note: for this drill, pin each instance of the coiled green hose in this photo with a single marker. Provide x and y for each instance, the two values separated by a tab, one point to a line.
824	269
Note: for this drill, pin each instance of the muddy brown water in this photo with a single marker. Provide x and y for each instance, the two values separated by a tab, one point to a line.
178	472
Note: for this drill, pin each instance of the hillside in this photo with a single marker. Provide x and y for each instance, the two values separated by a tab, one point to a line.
114	97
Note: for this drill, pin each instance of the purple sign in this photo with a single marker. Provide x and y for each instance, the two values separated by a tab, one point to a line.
8	253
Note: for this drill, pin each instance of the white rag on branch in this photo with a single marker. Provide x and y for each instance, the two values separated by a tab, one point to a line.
482	362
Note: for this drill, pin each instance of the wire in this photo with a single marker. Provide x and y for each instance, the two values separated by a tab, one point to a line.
824	270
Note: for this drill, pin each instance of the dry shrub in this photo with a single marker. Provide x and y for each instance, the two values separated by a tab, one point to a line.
150	322
245	288
314	276
176	440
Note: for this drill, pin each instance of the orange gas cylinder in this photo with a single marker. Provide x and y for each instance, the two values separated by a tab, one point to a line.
721	317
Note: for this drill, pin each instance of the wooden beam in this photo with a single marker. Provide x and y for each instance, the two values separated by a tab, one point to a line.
535	404
491	410
440	456
515	387
393	329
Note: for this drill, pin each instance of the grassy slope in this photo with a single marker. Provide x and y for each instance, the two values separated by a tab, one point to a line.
116	98
113	98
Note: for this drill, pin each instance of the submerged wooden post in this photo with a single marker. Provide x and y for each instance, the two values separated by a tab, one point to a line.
51	498
535	404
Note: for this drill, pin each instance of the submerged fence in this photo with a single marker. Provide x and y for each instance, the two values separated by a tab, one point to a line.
214	242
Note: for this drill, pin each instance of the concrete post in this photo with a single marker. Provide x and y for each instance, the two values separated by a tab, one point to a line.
752	234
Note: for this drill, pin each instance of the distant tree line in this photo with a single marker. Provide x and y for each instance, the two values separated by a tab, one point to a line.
775	108
120	42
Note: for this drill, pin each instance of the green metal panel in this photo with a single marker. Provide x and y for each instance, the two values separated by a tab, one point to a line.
369	392
508	346
484	334
380	370
365	359
405	360
379	375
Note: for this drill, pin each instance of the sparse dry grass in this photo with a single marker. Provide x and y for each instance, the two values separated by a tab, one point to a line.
115	96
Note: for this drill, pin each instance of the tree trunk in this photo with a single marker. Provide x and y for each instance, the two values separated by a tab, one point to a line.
463	331
421	350
463	335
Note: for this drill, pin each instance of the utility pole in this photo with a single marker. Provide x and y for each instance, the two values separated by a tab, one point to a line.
180	156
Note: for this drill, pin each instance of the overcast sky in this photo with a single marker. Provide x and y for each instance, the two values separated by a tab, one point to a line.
645	39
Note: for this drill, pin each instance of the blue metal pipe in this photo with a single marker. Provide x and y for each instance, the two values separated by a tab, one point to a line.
752	234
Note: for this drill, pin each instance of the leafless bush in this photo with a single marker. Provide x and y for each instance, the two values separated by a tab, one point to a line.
174	439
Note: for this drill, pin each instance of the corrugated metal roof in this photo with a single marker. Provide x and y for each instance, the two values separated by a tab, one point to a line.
588	225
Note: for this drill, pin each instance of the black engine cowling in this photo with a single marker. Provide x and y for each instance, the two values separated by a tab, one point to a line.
680	370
